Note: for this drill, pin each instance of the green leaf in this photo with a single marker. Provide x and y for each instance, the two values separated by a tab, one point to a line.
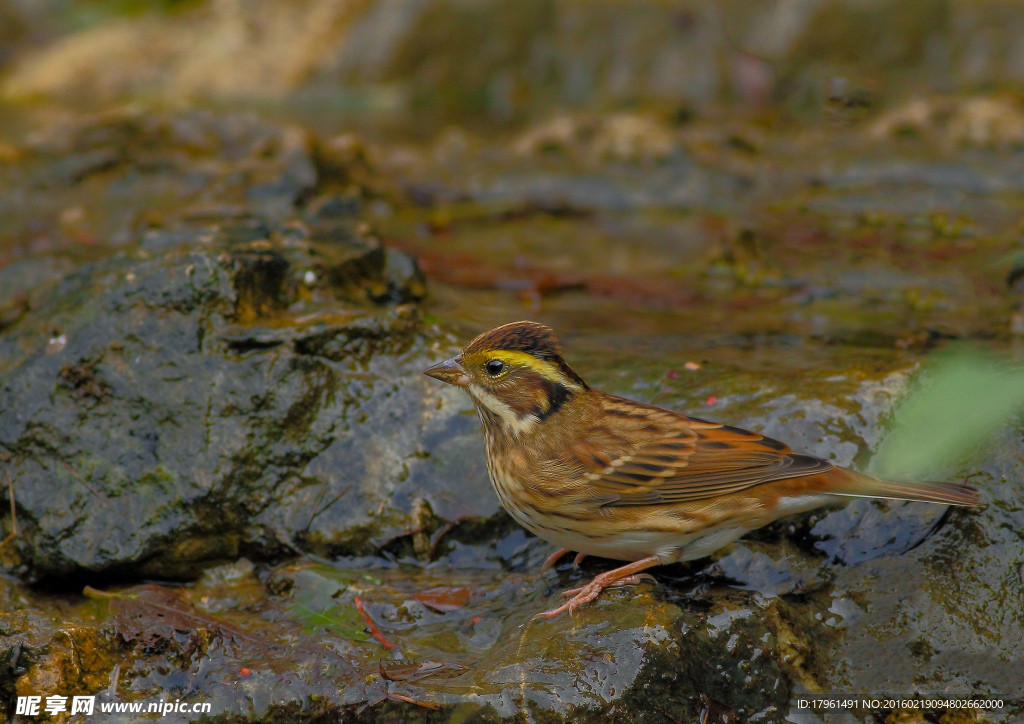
318	603
964	398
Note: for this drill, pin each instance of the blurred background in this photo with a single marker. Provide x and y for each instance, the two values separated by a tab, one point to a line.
233	232
839	170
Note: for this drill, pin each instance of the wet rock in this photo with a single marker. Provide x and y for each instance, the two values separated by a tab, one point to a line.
204	158
248	360
678	185
24	284
86	187
166	409
290	644
914	584
948	626
570	165
803	606
79	659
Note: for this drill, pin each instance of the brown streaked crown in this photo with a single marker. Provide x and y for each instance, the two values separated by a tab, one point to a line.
532	338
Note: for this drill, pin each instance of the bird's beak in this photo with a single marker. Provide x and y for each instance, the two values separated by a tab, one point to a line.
450	371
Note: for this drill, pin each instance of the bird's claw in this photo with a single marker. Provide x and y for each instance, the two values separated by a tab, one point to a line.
627	581
586	594
629	573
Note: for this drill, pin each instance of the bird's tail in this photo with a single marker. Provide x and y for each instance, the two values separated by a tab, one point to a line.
860	485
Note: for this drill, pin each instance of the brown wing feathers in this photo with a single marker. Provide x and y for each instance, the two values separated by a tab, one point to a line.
681	459
675	459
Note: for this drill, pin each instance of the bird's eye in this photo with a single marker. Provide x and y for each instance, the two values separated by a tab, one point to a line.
494	367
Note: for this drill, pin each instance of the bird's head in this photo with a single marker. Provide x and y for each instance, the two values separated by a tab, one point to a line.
515	373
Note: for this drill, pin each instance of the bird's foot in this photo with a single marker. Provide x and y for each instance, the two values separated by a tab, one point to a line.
586	594
627	574
627	581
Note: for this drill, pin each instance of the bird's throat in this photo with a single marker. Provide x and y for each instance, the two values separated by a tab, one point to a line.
520	414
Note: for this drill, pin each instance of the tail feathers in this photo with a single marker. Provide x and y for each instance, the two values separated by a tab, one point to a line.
866	486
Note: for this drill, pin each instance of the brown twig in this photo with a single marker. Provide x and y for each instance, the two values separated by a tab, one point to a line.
410	700
320	510
417	671
373	627
137	597
14	517
78	477
967	478
436	538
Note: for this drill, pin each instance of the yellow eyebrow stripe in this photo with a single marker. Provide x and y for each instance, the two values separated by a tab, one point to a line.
524	359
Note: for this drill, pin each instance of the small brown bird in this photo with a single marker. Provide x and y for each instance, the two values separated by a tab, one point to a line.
607	476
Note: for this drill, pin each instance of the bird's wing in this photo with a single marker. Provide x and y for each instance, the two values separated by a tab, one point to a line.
642	455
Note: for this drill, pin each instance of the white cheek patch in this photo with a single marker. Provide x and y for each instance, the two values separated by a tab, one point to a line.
518	425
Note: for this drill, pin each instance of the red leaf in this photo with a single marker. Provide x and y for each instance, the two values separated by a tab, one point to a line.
444	598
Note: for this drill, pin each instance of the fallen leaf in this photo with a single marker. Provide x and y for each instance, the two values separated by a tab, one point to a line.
444	598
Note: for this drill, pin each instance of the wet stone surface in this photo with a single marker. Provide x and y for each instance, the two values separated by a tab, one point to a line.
225	381
226	463
289	642
174	434
801	607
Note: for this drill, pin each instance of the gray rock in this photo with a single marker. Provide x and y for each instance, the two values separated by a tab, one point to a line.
166	410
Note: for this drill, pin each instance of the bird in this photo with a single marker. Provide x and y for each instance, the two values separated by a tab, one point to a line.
607	476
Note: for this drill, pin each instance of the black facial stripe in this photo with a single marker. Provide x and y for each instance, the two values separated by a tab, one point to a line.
558	395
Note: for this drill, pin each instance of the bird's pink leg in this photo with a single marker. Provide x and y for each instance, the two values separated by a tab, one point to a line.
622	574
551	560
